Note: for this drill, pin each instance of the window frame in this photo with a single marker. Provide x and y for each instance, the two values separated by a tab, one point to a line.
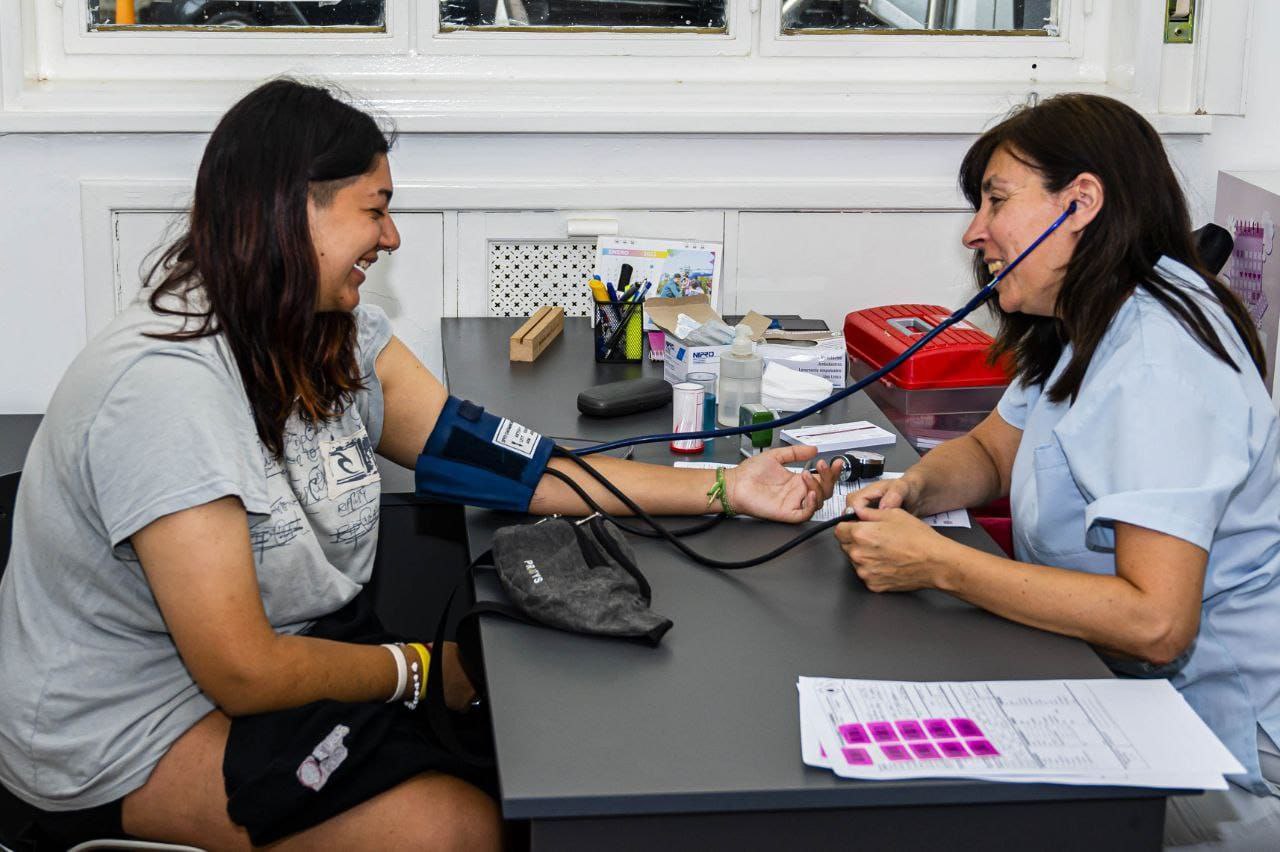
55	75
1068	43
736	40
79	40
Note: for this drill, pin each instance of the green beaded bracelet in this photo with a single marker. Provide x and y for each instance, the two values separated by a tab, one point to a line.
720	491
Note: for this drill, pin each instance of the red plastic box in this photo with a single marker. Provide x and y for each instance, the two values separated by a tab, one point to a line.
942	391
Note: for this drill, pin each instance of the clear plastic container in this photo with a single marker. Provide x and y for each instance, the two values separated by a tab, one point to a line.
708	382
928	416
741	371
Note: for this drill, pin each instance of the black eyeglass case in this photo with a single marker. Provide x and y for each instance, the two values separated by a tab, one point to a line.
629	396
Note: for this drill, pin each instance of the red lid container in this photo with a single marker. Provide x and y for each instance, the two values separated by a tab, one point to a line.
957	358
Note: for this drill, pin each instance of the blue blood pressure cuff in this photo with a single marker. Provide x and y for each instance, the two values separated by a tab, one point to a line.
480	459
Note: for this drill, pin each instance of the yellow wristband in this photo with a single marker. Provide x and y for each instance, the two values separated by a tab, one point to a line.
426	664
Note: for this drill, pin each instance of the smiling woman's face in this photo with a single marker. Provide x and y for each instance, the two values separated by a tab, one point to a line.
348	233
1016	208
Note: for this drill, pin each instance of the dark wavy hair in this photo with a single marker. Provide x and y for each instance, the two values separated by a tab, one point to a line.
248	247
1143	217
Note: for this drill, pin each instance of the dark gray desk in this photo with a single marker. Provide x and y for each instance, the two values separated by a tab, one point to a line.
695	744
543	395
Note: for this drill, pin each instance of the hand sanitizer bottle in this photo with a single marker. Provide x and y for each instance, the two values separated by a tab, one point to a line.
740	373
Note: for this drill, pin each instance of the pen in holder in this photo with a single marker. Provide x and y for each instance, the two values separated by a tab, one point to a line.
619	333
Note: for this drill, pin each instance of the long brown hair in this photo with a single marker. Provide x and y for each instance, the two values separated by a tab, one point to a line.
248	247
1144	217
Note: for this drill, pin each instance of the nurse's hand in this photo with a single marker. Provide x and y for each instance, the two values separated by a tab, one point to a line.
902	492
892	550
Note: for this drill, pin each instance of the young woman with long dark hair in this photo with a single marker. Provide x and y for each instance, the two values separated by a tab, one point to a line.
1137	444
198	514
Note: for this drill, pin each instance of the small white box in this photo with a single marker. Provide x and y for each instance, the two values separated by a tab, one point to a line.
834	437
824	358
680	359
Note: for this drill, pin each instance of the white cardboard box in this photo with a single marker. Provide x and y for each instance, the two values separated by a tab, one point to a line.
833	437
825	358
679	360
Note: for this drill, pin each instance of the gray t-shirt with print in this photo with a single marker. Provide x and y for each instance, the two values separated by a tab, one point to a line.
94	692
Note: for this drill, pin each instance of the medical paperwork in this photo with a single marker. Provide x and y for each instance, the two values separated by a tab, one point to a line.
1127	733
835	504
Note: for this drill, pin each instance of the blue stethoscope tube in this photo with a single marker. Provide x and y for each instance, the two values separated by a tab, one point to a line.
982	295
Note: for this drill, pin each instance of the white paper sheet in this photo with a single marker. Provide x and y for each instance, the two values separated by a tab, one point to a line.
1115	732
835	505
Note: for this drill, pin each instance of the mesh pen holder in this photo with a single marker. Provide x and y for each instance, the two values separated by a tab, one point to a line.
618	333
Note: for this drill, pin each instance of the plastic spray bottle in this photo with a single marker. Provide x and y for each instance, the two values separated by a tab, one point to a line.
740	373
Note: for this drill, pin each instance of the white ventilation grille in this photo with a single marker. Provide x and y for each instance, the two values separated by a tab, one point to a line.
523	276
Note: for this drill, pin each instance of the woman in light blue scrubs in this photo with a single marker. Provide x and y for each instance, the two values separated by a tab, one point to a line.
1137	443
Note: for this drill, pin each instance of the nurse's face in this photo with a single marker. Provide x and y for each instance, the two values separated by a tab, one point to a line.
348	232
1016	208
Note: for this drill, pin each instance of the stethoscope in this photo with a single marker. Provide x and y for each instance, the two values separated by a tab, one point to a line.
851	463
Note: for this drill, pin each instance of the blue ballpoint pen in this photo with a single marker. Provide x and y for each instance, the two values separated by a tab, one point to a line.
613	294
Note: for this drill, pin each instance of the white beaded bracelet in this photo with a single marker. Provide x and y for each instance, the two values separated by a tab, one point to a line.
402	675
412	703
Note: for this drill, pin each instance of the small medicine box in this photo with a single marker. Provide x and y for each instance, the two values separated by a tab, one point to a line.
942	391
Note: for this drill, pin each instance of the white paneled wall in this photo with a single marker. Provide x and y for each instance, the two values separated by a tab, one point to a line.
138	239
478	230
787	262
409	285
834	263
816	225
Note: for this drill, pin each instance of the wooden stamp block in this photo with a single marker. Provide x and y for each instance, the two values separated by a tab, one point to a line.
537	333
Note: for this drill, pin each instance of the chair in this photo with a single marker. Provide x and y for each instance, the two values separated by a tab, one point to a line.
1214	245
8	497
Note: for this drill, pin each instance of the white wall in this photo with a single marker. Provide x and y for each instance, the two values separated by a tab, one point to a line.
1251	141
42	307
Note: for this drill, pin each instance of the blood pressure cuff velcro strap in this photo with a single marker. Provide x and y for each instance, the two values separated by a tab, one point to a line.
577	576
480	459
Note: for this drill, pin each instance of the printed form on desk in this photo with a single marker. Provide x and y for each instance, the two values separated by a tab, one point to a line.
835	504
1129	733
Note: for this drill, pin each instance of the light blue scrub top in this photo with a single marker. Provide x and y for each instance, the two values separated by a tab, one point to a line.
1165	435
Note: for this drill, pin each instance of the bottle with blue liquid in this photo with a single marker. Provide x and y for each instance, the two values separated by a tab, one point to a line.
708	382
